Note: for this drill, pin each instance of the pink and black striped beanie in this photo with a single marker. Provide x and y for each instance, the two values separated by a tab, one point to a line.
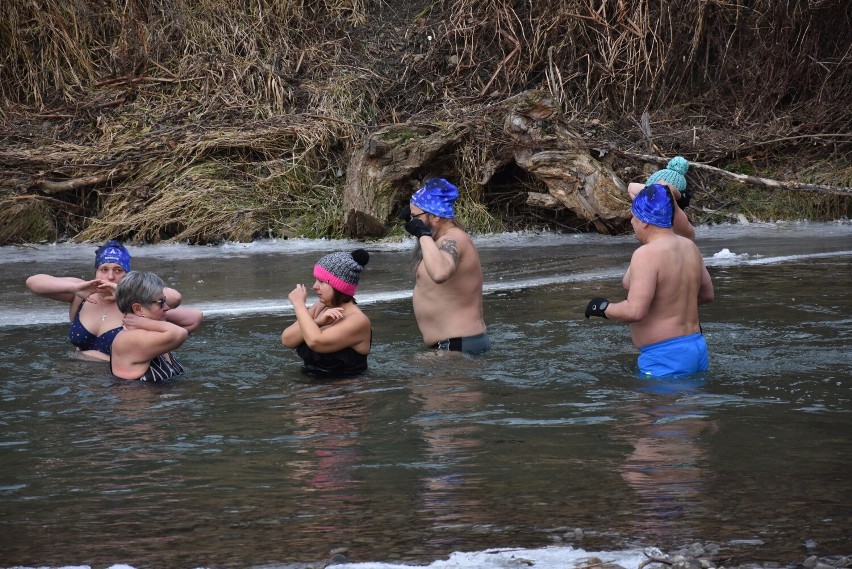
342	270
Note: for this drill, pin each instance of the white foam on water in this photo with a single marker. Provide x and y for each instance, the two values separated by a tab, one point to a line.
562	557
556	557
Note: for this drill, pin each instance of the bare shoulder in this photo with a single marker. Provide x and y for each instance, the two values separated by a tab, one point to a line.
643	252
457	237
361	319
454	243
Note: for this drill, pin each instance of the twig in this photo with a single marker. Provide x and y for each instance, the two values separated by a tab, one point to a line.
653	560
501	65
797	137
52	187
46	199
745	179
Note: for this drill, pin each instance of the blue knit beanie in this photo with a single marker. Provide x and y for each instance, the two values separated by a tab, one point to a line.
674	173
436	197
654	205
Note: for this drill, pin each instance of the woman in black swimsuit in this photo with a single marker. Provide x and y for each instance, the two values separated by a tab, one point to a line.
142	350
333	336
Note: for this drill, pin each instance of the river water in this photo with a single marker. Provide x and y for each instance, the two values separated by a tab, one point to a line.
547	443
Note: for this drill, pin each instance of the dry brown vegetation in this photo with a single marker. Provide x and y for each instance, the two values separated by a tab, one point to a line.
203	120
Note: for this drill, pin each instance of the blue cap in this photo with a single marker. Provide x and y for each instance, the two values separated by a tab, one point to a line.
113	252
436	197
674	173
654	205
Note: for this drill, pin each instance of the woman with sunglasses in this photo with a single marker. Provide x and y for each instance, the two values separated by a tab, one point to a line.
95	318
142	348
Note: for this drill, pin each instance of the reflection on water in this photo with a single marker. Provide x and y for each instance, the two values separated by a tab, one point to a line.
243	463
667	468
447	401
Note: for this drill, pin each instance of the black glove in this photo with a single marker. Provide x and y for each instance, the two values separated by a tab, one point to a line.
683	202
405	214
596	307
416	227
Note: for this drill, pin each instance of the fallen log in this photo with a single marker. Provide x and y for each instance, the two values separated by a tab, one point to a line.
744	178
54	187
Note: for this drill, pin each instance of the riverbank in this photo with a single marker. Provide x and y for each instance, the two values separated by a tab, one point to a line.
176	123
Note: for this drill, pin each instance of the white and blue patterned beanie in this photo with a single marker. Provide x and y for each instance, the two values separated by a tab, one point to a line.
436	197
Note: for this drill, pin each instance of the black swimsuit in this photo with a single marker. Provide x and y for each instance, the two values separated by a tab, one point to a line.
342	363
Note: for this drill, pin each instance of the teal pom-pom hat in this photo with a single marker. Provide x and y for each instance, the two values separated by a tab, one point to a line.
674	173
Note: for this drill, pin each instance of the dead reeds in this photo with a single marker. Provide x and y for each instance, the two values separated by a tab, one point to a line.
205	120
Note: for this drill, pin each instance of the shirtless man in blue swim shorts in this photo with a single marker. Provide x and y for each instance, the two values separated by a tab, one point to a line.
448	275
665	283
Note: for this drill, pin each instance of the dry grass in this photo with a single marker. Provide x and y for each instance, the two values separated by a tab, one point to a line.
251	109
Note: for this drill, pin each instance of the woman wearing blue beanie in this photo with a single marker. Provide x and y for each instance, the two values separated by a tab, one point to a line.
95	318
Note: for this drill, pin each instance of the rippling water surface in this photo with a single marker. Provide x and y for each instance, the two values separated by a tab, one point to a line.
242	463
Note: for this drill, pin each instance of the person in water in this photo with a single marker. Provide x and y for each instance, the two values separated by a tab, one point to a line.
447	295
665	281
673	176
95	318
142	349
333	337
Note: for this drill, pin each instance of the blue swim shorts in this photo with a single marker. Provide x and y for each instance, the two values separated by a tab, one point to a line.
676	356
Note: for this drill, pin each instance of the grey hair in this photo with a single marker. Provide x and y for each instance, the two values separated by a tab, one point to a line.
137	286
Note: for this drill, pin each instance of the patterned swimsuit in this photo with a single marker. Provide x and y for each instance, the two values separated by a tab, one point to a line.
85	340
161	369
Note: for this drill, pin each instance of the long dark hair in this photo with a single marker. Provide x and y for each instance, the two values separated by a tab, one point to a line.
339	298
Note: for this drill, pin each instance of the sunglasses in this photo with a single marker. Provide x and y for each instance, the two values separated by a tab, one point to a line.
160	301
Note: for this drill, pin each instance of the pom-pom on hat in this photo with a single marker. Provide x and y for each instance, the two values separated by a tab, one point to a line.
113	252
674	173
436	197
342	270
654	205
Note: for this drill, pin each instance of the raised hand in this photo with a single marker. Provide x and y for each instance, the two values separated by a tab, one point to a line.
135	322
596	307
416	227
85	289
405	214
328	316
298	296
107	289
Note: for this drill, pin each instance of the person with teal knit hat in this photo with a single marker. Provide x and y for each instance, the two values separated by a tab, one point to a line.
666	281
673	176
